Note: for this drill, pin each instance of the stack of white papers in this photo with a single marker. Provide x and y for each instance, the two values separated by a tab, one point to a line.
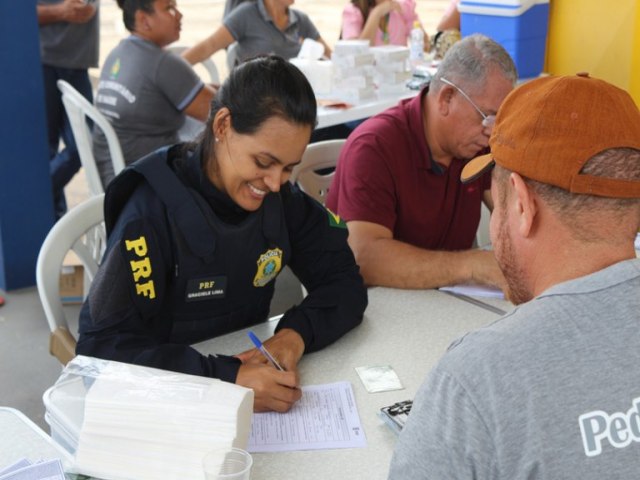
25	469
146	423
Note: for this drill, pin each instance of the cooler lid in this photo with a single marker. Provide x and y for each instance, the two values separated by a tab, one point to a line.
499	8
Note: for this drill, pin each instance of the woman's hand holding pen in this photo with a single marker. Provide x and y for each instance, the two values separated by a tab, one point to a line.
274	380
273	389
286	346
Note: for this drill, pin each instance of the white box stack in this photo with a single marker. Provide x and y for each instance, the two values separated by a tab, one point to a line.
110	415
353	70
392	68
318	72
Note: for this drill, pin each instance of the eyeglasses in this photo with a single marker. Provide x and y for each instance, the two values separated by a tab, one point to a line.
487	120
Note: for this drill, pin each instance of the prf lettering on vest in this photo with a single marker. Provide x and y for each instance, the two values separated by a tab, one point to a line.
141	269
619	428
206	285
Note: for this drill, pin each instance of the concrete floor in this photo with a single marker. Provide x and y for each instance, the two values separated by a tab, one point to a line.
26	368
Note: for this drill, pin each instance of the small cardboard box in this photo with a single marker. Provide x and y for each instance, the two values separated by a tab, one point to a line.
71	284
71	280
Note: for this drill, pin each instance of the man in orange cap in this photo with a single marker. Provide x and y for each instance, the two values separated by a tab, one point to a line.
551	390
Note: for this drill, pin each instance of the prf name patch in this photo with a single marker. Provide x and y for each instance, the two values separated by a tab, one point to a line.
206	288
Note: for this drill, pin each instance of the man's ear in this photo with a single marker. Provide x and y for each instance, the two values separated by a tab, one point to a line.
525	203
142	21
443	98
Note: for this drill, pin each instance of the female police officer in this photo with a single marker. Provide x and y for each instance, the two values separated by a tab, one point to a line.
198	233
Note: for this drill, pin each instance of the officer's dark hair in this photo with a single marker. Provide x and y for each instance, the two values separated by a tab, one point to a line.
129	9
258	89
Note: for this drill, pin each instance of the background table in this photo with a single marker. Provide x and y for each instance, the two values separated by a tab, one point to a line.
407	329
329	116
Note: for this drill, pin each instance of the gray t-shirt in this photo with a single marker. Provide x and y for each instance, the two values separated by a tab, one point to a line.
143	91
70	45
230	5
550	391
256	34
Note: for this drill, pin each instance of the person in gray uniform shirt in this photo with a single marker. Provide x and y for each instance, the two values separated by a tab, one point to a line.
229	5
69	44
145	91
552	389
260	27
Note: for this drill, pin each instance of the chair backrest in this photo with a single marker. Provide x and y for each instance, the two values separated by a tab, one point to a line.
78	109
483	239
232	55
192	127
207	63
317	157
81	230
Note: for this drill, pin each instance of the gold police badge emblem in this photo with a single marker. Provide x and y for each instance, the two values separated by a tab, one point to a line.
269	265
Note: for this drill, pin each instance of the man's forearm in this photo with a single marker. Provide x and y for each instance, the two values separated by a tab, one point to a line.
391	263
72	11
50	13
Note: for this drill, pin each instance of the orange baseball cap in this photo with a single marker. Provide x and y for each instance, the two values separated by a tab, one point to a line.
548	128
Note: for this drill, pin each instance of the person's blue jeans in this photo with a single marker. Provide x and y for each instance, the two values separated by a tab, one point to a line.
64	164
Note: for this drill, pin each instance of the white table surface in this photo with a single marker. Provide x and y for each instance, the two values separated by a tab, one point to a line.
407	329
328	116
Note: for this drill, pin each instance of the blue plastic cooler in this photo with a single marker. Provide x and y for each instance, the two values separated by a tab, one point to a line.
520	26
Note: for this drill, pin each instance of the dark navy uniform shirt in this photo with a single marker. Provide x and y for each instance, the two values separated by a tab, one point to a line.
153	297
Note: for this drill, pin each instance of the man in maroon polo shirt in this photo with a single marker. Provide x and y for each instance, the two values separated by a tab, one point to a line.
397	185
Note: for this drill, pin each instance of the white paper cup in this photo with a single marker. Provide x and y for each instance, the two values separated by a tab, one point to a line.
227	464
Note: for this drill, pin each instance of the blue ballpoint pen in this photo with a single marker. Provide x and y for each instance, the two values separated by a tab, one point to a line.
256	341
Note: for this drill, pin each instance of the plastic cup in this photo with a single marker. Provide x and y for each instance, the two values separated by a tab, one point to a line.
227	464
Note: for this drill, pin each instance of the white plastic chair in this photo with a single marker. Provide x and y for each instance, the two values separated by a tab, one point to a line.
207	63
232	55
78	109
193	127
483	239
317	156
81	230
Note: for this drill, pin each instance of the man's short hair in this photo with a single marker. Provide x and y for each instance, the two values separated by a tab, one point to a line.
469	61
573	208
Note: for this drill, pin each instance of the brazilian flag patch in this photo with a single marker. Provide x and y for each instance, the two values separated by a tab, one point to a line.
115	69
335	220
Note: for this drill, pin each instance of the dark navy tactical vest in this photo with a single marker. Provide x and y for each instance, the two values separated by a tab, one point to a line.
223	275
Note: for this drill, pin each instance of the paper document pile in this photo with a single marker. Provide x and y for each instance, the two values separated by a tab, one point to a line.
25	469
146	423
